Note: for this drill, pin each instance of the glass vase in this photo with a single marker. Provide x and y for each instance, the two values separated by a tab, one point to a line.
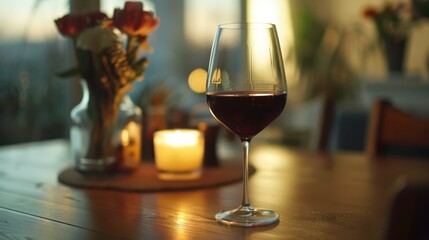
105	137
395	53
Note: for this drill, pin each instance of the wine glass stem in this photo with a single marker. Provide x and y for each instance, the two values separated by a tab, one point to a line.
246	201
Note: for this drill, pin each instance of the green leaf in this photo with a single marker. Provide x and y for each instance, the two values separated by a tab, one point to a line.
139	66
131	53
68	73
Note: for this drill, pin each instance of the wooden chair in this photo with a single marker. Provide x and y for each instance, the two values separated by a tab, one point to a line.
308	124
325	124
409	215
394	131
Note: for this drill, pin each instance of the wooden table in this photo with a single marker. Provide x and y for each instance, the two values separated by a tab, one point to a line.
319	196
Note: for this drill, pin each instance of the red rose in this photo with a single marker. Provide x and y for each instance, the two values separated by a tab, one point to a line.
370	12
132	20
72	24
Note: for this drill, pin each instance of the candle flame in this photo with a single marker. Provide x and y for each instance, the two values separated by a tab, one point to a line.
181	138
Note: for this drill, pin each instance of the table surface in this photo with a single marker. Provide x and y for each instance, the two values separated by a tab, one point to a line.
318	196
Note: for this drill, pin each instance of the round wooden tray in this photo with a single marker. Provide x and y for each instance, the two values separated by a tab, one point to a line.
145	179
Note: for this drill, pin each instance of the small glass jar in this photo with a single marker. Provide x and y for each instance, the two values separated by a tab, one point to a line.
105	138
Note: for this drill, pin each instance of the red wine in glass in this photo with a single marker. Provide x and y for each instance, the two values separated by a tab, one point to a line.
246	113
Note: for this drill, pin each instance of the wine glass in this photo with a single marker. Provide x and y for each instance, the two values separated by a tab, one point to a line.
246	90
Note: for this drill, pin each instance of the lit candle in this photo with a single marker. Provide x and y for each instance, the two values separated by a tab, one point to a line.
179	153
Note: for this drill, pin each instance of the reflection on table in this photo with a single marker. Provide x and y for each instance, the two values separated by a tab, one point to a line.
318	196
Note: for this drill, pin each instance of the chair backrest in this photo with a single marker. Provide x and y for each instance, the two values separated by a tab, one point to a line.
393	131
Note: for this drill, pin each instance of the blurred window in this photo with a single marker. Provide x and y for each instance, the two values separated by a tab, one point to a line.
34	104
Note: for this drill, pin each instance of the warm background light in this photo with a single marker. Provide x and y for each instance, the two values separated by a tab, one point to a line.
278	13
30	20
202	17
197	80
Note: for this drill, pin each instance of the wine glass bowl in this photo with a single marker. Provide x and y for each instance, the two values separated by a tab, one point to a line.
246	90
246	113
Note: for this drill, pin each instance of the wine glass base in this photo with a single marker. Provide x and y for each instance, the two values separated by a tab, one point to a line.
247	217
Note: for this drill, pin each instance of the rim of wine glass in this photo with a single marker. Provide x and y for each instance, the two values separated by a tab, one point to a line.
247	25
